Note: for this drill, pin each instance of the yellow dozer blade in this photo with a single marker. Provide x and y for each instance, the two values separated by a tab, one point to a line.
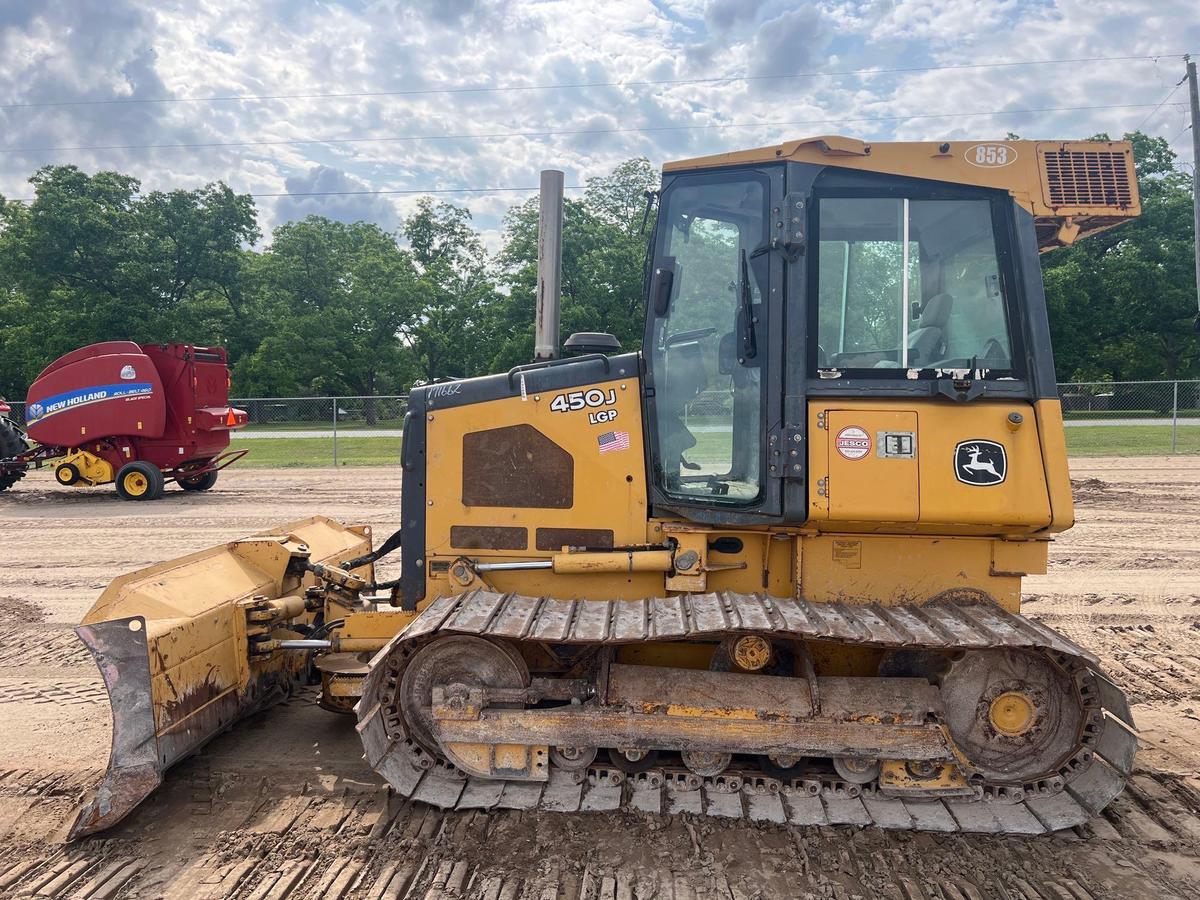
184	649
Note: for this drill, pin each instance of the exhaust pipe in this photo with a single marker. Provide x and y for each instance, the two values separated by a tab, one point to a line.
549	284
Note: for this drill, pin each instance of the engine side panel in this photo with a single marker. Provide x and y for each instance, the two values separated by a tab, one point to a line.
521	477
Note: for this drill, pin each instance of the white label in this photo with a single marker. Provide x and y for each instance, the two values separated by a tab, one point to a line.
577	400
990	156
852	442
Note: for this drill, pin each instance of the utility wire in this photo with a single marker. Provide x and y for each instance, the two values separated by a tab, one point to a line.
247	98
576	131
368	193
1154	111
467	190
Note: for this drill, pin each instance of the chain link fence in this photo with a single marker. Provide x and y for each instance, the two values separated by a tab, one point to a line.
322	431
1103	418
1126	418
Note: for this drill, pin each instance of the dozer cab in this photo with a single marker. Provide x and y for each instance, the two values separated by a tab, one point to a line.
769	566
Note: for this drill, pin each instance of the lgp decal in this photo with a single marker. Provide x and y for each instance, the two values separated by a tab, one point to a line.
980	463
852	442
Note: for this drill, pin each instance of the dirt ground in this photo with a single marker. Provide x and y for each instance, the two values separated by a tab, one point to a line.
284	806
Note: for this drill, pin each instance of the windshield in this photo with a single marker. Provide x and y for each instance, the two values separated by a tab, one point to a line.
910	284
705	349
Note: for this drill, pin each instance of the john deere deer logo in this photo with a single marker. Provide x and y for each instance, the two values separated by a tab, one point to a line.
980	463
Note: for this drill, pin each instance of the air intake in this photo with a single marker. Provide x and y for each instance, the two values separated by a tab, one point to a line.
1088	178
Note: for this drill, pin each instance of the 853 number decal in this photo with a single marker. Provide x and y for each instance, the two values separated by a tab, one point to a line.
991	156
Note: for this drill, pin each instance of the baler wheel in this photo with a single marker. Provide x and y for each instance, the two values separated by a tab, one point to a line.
199	482
67	474
140	480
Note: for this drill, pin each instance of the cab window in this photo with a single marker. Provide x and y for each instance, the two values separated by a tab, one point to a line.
909	284
707	350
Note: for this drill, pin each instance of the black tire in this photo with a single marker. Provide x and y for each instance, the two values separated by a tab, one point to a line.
12	442
66	474
140	480
199	482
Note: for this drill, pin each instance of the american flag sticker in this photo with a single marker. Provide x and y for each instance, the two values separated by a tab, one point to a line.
613	440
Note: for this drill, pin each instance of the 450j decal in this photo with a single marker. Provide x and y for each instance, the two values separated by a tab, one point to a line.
574	401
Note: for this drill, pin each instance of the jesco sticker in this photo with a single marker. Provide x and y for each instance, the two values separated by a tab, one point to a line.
852	442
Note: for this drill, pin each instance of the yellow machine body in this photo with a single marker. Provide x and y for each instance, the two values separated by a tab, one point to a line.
92	469
576	573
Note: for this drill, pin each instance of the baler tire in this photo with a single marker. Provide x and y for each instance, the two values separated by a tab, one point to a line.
67	474
148	487
199	482
11	444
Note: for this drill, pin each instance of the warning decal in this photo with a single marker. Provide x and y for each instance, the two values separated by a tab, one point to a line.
852	442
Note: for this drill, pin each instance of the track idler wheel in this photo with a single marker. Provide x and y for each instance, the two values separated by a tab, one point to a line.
706	763
856	769
1013	714
633	762
456	659
572	759
784	768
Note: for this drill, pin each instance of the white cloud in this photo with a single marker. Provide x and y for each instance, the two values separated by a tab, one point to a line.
135	49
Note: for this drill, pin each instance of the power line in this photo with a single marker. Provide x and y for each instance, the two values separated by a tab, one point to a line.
462	190
413	92
468	190
1152	112
577	131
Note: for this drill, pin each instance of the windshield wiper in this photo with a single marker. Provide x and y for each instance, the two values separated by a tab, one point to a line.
749	338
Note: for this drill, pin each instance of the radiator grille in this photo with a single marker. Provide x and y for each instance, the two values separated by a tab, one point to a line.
1087	178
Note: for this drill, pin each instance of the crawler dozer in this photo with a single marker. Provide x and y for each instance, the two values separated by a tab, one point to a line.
770	566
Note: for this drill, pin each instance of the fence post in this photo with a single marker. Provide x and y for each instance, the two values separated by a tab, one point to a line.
335	417
1175	418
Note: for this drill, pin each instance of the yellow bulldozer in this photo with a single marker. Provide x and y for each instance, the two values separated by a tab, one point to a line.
767	567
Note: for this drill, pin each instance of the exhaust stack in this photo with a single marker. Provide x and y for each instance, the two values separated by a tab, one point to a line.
549	284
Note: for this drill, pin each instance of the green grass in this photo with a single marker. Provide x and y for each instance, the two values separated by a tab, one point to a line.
1130	440
711	447
287	453
326	425
1128	414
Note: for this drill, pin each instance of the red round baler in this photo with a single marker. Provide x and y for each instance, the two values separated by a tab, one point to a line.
132	415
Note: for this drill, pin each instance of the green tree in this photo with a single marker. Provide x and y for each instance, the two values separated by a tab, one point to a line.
604	252
449	336
338	297
90	260
1122	303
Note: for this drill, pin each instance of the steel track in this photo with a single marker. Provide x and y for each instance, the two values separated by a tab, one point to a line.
1091	776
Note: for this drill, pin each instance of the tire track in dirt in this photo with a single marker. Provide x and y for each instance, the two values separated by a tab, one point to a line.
358	842
283	806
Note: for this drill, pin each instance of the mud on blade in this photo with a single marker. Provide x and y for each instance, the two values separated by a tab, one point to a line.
182	649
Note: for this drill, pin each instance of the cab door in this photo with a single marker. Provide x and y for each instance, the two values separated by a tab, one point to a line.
713	348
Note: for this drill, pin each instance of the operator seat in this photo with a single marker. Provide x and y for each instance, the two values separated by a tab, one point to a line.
927	342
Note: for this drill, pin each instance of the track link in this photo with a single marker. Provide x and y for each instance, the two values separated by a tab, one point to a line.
1091	776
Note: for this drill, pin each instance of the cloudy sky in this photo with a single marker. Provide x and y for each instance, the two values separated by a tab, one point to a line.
573	84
